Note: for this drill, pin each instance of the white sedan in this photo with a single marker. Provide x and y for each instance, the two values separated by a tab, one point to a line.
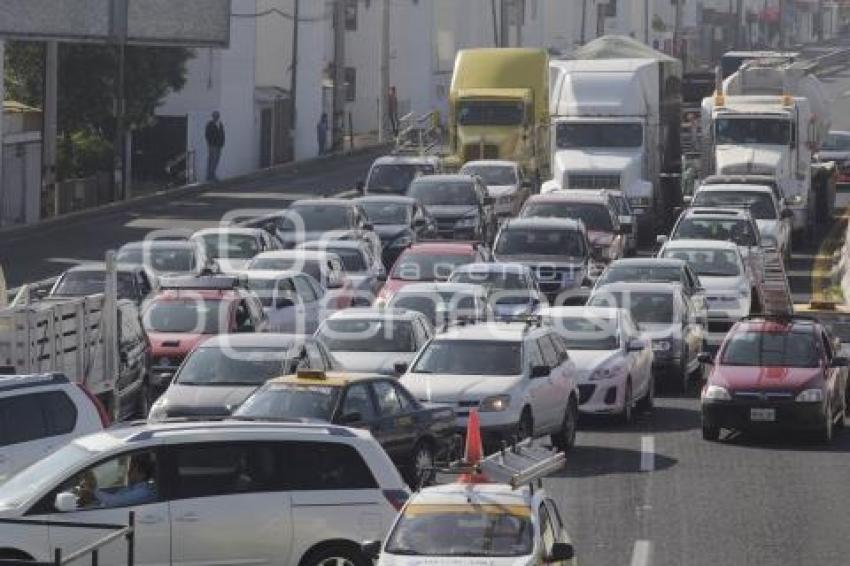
613	363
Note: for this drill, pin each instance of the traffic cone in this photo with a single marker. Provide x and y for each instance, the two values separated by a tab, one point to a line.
474	450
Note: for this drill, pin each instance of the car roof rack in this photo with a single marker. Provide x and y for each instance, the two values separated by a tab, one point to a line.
204	282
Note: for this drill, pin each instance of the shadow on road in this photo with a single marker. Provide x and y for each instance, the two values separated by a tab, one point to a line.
797	441
660	419
593	461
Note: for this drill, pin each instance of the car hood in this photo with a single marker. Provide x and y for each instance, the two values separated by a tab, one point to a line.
197	400
452	211
377	362
739	378
496	191
449	389
168	343
750	160
232	265
589	360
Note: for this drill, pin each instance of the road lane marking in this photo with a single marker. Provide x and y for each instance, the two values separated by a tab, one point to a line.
642	553
647	453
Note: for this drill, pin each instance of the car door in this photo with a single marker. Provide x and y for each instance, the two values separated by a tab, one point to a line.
692	329
228	504
357	409
538	388
392	425
697	295
111	476
307	305
559	378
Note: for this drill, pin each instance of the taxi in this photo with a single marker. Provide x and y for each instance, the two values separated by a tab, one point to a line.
413	434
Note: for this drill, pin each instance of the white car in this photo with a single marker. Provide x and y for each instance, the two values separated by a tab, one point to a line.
324	267
392	174
445	303
375	341
233	248
39	414
363	268
519	377
772	217
209	493
613	363
505	183
292	301
721	270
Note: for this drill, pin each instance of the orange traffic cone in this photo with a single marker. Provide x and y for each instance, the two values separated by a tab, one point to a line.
474	450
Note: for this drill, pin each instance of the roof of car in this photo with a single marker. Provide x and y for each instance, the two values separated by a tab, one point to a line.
438	286
738	187
193	294
289	254
101	266
28	381
255	339
494	331
168	244
407	160
739	180
323	245
236	230
490	163
444	247
269	274
699	244
708	212
395	199
369	313
493	267
544	223
650	261
581	311
771	324
572	195
643	286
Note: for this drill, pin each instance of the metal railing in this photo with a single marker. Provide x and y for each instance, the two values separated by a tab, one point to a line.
92	550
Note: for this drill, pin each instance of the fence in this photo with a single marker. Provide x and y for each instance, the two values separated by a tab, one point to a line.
78	194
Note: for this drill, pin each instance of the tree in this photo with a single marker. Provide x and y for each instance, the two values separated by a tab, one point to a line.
87	79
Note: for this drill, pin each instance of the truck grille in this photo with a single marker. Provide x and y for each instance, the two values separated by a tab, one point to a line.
593	181
473	152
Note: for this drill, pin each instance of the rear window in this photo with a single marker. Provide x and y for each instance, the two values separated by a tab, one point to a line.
731	230
198	316
772	349
641	273
470	357
595	216
33	416
541	242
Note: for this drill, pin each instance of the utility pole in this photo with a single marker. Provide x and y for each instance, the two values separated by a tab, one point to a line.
338	118
646	21
49	128
293	83
583	21
519	18
740	34
677	23
820	20
119	37
383	105
504	23
496	41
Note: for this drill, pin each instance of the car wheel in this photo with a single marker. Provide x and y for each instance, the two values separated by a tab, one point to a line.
420	470
648	401
710	433
335	555
684	374
525	428
566	438
627	416
825	434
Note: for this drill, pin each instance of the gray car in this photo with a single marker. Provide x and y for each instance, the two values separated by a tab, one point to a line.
459	203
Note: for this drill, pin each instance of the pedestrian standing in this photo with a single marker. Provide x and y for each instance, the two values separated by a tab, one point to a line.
392	110
215	142
322	133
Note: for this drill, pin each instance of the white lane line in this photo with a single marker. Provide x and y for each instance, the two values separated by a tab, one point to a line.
642	553
647	453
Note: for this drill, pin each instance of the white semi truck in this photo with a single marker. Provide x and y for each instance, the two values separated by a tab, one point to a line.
616	120
770	118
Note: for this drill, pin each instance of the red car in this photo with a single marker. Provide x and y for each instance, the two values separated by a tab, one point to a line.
186	312
430	261
775	373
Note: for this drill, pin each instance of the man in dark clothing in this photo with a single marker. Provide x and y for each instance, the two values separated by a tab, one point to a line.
215	141
322	133
392	110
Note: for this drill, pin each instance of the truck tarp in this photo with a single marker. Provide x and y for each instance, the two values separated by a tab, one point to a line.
620	47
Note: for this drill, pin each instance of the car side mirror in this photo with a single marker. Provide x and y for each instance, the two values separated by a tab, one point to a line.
786	213
66	502
840	362
561	551
400	367
371	549
540	371
705	358
636	345
350	418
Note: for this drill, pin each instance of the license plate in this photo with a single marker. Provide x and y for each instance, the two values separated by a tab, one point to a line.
763	415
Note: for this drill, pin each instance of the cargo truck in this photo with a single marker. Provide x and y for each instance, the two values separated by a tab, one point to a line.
770	118
499	109
616	113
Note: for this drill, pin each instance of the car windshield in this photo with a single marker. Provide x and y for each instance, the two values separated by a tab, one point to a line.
463	530
637	273
234	365
317	218
382	213
231	246
311	267
582	333
271	289
492	174
470	357
451	193
44	473
396	178
439	307
762	131
771	349
368	335
727	230
281	401
541	242
709	263
760	205
646	307
596	217
198	316
352	259
163	260
489	113
572	135
428	266
494	280
836	142
83	283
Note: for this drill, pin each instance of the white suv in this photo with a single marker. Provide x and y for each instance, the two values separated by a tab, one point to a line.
209	493
39	414
519	376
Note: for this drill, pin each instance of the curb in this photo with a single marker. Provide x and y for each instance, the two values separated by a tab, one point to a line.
190	189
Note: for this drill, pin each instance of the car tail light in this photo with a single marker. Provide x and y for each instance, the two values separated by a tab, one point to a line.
396	497
101	410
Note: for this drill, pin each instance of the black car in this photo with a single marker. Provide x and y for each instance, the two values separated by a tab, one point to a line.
412	434
135	283
399	221
459	203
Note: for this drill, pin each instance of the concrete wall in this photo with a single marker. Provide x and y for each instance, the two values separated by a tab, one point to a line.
314	37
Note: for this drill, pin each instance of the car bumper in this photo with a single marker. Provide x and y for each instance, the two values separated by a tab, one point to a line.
788	415
495	426
603	397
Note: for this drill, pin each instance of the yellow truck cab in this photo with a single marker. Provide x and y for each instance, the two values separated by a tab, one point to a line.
499	108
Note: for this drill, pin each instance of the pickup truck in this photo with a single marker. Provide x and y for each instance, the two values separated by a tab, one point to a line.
413	434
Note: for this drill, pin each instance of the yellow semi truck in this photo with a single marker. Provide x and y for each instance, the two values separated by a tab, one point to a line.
499	109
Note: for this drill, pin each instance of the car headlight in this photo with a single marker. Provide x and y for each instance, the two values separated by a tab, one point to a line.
402	242
495	403
662	345
605	373
716	393
467	222
810	396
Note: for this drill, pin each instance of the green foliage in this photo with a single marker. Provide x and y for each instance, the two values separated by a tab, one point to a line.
658	24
